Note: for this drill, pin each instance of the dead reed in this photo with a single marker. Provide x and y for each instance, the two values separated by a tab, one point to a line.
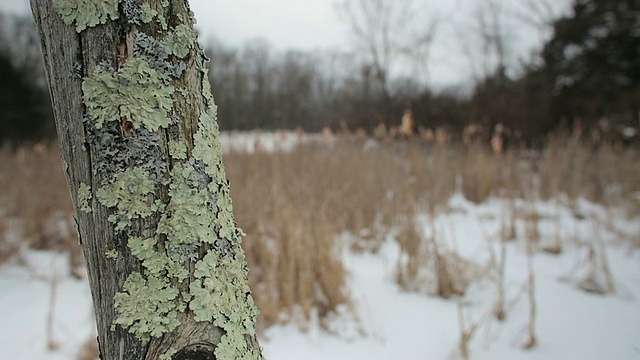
293	204
600	172
35	208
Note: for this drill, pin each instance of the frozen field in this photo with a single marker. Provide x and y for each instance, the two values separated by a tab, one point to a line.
42	306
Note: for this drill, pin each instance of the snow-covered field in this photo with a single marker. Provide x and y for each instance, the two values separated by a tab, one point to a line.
387	323
265	141
570	323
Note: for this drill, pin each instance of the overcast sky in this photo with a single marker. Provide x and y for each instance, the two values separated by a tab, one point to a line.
316	25
308	24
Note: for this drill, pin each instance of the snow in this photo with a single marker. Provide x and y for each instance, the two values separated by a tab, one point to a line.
385	322
397	325
570	323
253	141
25	303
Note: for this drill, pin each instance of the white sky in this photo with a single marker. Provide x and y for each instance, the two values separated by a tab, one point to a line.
309	24
316	25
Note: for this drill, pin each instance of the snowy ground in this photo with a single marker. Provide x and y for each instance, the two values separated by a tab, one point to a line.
265	141
392	324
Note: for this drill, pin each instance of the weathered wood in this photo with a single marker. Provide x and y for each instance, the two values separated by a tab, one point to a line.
92	153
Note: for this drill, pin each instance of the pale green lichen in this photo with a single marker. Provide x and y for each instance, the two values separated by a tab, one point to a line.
155	261
84	197
208	149
111	254
180	41
220	291
129	194
184	92
147	306
233	345
221	279
221	294
163	22
86	13
177	150
206	86
147	13
136	92
199	210
187	216
207	145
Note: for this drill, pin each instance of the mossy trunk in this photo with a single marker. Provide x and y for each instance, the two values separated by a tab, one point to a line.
139	142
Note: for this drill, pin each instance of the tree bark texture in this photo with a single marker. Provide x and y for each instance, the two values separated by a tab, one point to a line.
139	142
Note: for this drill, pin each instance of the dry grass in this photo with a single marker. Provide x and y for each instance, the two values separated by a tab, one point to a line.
481	173
292	205
35	208
425	265
89	350
603	173
414	254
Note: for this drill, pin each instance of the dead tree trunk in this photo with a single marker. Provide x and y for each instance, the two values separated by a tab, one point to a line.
139	141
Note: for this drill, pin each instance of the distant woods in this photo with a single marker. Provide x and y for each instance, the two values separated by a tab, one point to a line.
585	77
25	110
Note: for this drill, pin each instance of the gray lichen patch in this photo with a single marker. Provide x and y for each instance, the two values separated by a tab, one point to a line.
132	11
86	13
136	92
157	55
117	153
84	197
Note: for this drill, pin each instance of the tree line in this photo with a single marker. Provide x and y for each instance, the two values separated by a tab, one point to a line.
587	73
25	108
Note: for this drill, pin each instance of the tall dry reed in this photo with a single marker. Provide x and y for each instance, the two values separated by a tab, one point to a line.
35	206
292	205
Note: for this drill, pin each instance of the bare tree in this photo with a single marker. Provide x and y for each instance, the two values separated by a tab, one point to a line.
386	30
492	32
483	41
419	49
489	42
139	141
18	40
538	14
